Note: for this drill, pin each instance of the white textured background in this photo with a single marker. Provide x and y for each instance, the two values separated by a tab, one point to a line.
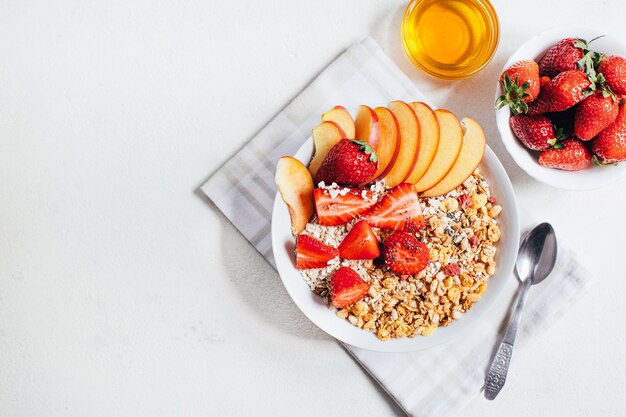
123	293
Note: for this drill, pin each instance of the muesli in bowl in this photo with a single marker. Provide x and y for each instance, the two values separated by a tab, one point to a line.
397	248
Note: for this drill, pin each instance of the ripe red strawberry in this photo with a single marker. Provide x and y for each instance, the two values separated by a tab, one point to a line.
465	201
610	144
311	253
520	85
347	287
564	91
404	254
360	243
569	155
595	113
613	69
341	205
350	162
399	209
534	132
567	54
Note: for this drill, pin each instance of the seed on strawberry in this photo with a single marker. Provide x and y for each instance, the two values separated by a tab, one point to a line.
568	54
569	155
595	113
404	254
564	91
350	162
360	243
613	69
311	253
520	85
610	144
347	287
534	132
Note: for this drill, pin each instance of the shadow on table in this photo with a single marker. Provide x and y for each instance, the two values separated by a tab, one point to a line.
259	285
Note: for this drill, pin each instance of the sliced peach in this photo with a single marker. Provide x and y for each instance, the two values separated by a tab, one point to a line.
472	151
389	139
450	140
429	139
325	136
409	143
342	117
367	126
296	188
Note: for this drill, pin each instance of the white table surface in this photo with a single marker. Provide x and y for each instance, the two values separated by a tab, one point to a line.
124	293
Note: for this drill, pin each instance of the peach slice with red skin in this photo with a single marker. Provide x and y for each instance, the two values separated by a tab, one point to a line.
472	151
429	140
295	185
389	140
325	136
450	140
342	117
409	143
367	127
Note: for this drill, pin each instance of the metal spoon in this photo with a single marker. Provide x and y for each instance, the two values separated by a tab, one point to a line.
535	261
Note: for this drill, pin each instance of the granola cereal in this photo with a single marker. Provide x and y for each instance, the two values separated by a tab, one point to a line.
461	232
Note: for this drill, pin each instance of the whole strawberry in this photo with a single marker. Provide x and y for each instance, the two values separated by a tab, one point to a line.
535	132
613	68
520	85
594	113
569	155
349	163
610	144
568	54
564	91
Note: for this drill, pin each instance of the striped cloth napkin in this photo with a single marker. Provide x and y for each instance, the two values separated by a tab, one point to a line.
434	383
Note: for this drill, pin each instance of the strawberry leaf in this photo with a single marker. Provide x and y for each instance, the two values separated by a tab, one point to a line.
598	163
513	95
367	149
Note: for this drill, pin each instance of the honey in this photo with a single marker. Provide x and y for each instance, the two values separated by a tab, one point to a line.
450	39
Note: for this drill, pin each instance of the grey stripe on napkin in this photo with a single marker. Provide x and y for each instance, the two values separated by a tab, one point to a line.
434	383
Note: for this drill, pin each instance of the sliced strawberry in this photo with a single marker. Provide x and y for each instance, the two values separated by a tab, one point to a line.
360	243
311	253
473	241
341	205
398	210
347	287
404	254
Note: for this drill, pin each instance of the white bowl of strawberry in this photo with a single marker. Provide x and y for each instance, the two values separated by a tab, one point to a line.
380	257
561	111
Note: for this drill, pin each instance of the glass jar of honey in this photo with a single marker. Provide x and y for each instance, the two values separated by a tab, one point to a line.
450	39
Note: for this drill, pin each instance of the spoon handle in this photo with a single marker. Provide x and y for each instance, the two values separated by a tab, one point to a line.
496	376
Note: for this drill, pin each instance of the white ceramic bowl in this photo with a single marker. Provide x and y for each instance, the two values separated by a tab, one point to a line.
535	48
314	308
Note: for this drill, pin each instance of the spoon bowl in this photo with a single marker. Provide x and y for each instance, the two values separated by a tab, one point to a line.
537	254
